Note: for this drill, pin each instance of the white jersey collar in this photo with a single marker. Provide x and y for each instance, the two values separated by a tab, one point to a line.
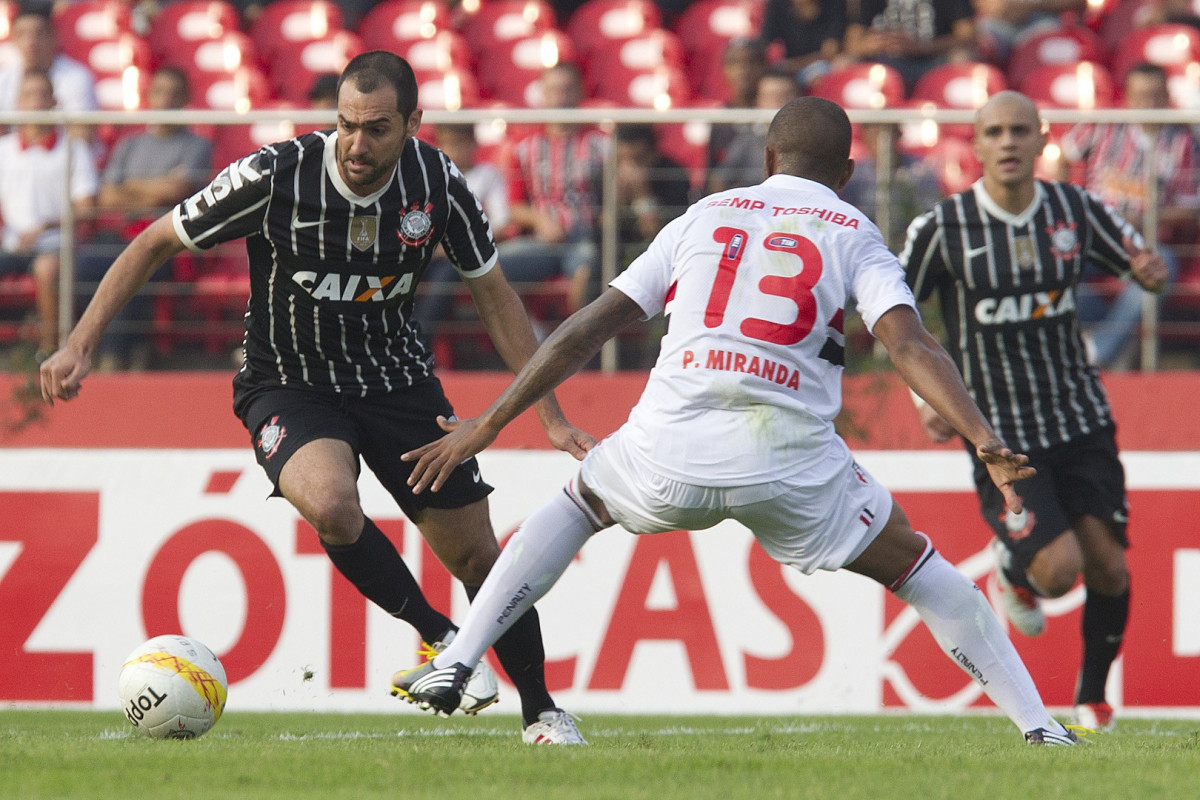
993	208
796	182
335	175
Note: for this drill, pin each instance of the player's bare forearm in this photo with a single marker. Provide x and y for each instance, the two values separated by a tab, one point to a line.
62	373
130	271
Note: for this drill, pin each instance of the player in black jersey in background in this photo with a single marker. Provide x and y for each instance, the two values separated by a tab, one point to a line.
1005	257
339	225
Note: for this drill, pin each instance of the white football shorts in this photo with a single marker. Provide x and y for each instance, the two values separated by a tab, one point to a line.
820	518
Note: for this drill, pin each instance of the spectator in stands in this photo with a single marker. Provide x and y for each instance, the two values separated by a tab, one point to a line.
811	31
32	34
914	183
912	35
146	174
33	163
322	93
1115	157
441	280
743	162
652	189
1004	24
555	178
744	62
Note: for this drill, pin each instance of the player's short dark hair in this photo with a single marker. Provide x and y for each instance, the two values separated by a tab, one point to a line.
811	138
377	68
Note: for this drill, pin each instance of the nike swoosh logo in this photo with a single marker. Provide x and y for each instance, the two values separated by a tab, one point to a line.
475	476
976	251
297	223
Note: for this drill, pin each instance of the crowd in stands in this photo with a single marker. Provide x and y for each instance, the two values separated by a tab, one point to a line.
864	54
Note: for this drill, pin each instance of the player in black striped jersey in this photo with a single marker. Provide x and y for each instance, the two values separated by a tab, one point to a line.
1005	258
339	225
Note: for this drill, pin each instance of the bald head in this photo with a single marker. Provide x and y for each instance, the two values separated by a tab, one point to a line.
810	138
1012	101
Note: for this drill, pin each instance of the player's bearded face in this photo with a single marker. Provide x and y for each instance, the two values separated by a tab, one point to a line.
371	136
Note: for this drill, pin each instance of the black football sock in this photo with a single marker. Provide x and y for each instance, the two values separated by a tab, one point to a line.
374	566
523	656
1104	620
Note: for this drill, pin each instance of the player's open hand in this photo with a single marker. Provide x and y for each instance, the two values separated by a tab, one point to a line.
1005	468
63	373
436	460
1148	267
566	437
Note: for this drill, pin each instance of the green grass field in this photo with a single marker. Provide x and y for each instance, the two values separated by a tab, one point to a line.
94	755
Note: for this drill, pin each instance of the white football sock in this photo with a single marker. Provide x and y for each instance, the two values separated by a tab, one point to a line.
967	630
532	561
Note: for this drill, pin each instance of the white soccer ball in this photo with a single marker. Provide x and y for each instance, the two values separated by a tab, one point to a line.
172	687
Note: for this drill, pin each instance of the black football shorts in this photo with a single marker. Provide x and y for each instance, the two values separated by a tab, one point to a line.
378	428
1082	477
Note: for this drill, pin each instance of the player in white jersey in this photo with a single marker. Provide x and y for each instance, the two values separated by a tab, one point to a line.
737	418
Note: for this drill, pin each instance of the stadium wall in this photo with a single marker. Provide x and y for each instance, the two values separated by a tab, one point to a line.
137	509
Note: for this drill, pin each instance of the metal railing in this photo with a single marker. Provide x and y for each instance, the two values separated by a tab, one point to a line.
608	118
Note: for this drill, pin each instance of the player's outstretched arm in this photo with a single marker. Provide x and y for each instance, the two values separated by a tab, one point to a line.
562	354
63	372
928	369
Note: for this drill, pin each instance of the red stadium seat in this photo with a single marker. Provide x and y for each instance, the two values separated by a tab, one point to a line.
707	26
447	90
224	53
512	72
955	164
81	24
1068	45
443	50
294	68
656	87
597	22
1167	45
964	86
393	23
609	60
862	86
500	21
241	89
8	12
1183	84
1085	85
183	24
1126	16
687	143
122	67
232	142
289	23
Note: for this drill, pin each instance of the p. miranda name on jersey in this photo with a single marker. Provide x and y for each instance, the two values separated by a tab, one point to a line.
826	214
733	361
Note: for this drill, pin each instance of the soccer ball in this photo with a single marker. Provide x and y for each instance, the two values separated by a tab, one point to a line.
172	687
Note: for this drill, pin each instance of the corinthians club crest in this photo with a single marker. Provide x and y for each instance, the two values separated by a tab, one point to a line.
363	232
1064	242
415	225
270	437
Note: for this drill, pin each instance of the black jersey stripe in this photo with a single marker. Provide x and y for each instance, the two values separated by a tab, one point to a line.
332	274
